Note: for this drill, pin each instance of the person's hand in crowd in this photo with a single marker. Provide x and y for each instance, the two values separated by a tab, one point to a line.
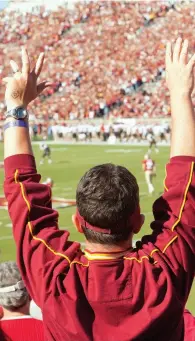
179	70
22	88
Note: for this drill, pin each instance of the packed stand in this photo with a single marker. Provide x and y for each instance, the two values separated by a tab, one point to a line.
91	53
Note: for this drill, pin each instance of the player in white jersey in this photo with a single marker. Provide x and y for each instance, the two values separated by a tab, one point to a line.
149	168
46	152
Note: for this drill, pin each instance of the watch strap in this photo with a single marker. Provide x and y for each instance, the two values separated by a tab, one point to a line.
18	123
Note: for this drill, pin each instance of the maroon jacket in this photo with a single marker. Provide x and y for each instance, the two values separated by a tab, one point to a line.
139	294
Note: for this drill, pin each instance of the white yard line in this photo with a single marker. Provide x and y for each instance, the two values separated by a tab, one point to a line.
8	225
6	237
54	149
121	151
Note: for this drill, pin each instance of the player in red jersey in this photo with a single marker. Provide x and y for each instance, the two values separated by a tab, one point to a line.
111	291
149	168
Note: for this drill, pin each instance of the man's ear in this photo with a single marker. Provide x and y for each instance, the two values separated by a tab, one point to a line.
139	224
76	223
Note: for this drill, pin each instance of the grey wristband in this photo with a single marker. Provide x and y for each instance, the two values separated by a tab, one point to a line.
18	123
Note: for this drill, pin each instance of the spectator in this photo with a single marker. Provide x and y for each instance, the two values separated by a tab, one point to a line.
111	291
16	324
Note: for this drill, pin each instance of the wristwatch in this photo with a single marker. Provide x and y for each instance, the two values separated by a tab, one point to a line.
19	113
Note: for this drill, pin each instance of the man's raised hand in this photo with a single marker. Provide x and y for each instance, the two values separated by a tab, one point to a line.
22	88
179	68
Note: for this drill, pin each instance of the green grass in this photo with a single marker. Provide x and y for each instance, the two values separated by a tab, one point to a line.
69	164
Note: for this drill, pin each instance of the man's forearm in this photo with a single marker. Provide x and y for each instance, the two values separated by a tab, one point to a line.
21	89
183	126
17	141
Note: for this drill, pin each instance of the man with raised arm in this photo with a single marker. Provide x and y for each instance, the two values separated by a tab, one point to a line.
110	291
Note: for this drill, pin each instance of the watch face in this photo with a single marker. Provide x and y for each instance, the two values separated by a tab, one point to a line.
20	113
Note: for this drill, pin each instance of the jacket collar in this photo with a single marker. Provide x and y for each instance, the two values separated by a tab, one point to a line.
104	255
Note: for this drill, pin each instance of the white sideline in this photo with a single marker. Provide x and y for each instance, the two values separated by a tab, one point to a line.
96	143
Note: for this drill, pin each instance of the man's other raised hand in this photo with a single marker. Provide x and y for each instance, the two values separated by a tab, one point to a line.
180	81
179	68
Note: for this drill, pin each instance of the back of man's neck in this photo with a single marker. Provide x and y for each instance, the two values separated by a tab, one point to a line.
94	247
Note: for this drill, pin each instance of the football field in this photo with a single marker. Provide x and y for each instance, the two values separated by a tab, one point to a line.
69	163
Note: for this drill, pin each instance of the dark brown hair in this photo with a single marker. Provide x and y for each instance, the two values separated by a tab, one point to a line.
106	197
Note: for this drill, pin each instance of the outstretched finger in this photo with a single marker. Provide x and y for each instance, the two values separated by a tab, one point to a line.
177	49
6	80
25	62
191	63
39	64
42	86
184	52
168	53
14	66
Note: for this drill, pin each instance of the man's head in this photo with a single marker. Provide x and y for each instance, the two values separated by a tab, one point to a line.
13	294
108	199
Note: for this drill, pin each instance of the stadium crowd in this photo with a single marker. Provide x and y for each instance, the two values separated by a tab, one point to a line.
91	53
